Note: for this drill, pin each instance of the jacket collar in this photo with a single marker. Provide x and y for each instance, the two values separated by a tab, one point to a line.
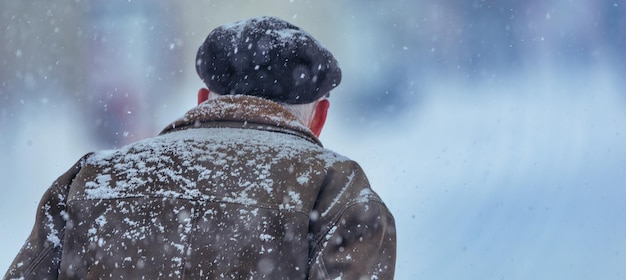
243	112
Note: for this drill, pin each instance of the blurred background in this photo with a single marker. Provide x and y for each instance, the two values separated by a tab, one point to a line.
495	131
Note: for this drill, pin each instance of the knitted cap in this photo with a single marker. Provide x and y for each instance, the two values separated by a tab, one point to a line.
267	57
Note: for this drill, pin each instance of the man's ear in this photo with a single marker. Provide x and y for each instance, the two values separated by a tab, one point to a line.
319	117
203	95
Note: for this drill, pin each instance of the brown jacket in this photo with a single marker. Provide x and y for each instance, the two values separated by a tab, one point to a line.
237	189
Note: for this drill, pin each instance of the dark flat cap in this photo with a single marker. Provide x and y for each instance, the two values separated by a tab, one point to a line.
267	57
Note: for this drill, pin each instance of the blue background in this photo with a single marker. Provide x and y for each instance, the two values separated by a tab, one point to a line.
493	130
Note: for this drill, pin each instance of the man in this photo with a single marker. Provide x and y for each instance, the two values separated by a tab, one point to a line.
239	188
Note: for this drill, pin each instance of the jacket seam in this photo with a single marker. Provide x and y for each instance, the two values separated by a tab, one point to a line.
37	261
335	220
238	124
189	242
47	250
323	269
261	205
319	239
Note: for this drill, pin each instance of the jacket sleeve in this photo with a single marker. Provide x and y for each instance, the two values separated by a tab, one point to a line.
40	255
360	245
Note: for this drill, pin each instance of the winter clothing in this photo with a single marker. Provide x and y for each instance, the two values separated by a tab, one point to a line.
267	57
236	189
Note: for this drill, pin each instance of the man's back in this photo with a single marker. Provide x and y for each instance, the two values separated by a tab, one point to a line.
219	197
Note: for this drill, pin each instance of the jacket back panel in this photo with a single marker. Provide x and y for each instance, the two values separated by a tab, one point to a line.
206	202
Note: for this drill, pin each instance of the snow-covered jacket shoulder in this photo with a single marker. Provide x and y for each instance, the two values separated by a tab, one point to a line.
236	189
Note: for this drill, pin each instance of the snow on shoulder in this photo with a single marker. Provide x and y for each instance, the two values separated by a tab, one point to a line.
186	160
